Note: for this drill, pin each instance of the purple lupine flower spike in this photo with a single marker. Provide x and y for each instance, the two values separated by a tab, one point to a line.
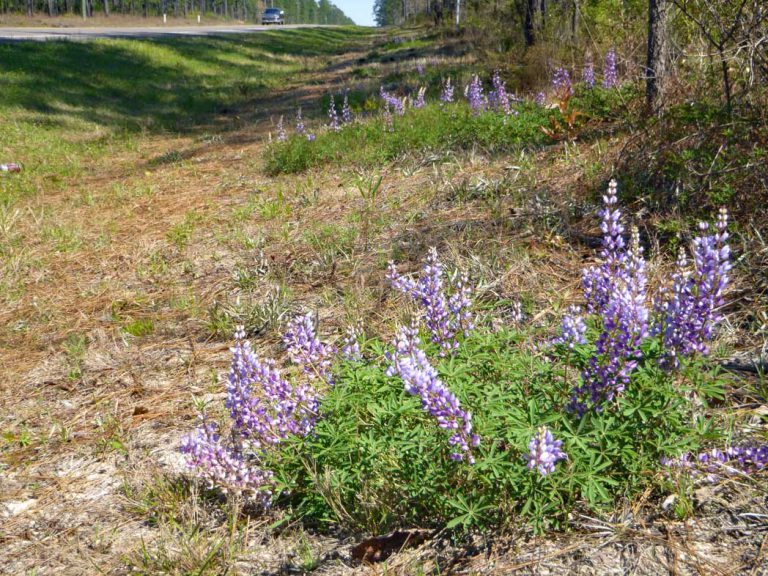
616	291
420	379
350	349
589	74
306	350
610	73
333	116
419	102
690	314
346	111
540	99
573	330
561	82
281	136
445	316
300	128
224	467
544	452
392	101
499	97
475	96
447	94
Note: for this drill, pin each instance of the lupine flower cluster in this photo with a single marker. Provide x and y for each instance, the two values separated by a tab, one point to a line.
475	96
610	72
445	316
544	452
420	69
690	314
300	128
224	466
346	111
736	460
419	102
446	95
281	136
350	349
499	98
573	329
540	99
306	350
265	409
588	75
420	379
616	291
561	82
392	101
333	116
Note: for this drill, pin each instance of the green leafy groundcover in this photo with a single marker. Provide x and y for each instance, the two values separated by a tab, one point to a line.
374	141
377	461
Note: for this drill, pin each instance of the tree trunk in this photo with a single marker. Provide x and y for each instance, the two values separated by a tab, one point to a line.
534	19
658	53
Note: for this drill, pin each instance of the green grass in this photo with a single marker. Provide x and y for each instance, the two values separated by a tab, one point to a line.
64	104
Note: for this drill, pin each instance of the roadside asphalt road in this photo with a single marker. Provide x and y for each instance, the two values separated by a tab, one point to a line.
42	34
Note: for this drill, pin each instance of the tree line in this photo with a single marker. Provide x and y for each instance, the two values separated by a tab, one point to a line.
296	11
729	37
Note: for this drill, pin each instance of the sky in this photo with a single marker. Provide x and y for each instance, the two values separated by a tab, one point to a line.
361	11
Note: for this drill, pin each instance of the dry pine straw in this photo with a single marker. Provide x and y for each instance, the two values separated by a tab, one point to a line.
120	420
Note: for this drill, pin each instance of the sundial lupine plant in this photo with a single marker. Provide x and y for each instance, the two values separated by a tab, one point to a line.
265	409
544	452
475	96
392	101
446	96
350	349
346	111
690	312
573	329
225	466
419	101
616	294
306	350
733	461
588	74
499	97
610	73
281	136
333	116
410	363
446	316
561	82
300	127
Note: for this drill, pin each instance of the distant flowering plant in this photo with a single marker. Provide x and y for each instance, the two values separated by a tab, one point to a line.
561	83
610	71
499	97
346	111
409	362
281	136
419	101
446	96
588	74
475	95
333	116
446	315
392	101
300	127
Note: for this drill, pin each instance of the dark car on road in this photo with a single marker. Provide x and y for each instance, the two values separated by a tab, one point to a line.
273	16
